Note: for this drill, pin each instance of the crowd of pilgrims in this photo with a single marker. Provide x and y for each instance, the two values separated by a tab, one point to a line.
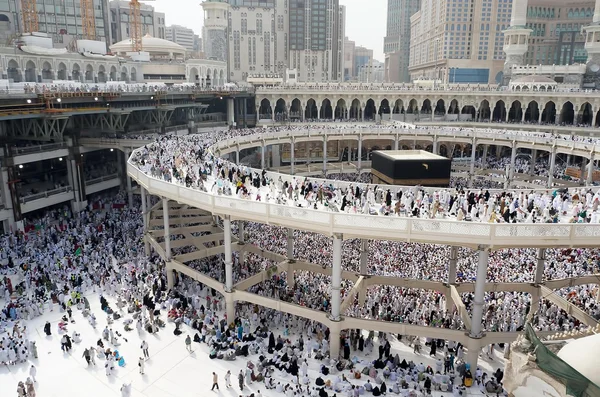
69	256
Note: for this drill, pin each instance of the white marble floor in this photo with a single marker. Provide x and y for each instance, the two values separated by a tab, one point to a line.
171	370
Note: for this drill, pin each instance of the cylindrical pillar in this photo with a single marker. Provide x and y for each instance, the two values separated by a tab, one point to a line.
359	152
476	322
434	146
396	142
539	269
166	226
262	156
533	159
473	348
241	236
364	257
230	112
336	277
228	262
472	164
292	156
229	307
290	245
145	219
325	155
551	168
452	266
590	171
484	158
513	158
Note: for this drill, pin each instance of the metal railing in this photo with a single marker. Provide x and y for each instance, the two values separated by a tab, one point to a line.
46	194
101	179
39	148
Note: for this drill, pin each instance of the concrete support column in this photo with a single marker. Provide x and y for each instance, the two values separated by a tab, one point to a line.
513	158
539	269
145	219
359	152
476	321
473	348
523	110
434	146
290	245
484	158
228	254
257	115
292	156
325	155
551	168
582	171
262	156
336	278
472	164
237	156
165	202
452	266
590	171
396	142
128	180
229	307
364	257
533	159
334	340
231	112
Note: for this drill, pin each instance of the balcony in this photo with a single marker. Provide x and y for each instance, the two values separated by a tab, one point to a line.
45	199
102	183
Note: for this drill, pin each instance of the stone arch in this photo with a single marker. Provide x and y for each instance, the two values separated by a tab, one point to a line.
133	74
567	113
340	111
469	109
549	113
311	111
76	73
484	110
426	107
440	107
413	107
532	113
454	107
516	112
47	73
369	110
296	109
124	74
30	72
280	109
62	71
326	110
384	108
499	113
194	75
597	119
113	73
586	114
13	71
398	106
101	74
355	108
89	73
265	108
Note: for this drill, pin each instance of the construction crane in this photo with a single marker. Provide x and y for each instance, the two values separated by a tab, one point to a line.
88	19
135	25
30	16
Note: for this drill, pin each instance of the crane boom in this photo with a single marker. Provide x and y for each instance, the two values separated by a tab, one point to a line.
88	19
30	16
135	25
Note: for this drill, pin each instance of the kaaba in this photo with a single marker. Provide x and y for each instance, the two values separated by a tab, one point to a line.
410	167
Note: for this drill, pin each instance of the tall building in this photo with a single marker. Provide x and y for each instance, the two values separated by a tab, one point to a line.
459	41
396	44
349	47
60	19
258	36
372	72
214	32
362	56
556	31
153	23
316	39
181	35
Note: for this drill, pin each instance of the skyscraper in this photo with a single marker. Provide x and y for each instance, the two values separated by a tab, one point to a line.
316	39
153	23
459	41
396	44
258	34
181	35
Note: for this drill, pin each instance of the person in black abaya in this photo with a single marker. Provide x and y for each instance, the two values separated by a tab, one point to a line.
361	343
433	348
381	351
346	352
271	341
47	329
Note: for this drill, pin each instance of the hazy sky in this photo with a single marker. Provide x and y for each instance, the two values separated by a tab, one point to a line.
365	19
